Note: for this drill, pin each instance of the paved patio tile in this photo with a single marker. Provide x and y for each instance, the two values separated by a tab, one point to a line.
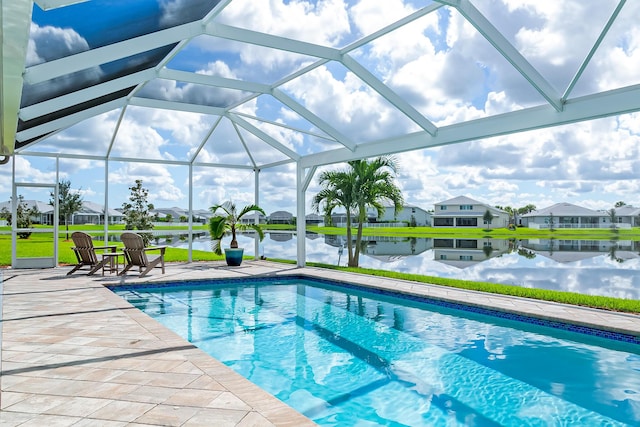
78	406
92	422
120	410
227	400
167	415
216	417
9	398
254	419
37	404
50	421
194	397
15	418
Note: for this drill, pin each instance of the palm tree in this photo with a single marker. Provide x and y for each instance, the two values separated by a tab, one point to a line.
613	218
511	211
338	191
365	184
227	219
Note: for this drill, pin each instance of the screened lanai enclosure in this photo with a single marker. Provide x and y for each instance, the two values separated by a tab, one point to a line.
218	92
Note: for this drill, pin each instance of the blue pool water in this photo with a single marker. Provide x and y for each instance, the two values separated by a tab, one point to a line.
344	356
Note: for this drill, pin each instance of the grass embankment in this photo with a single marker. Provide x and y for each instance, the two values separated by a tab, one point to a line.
592	301
40	244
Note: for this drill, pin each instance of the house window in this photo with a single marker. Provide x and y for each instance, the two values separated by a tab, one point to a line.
467	222
443	208
467	243
466	207
442	243
443	222
443	257
466	258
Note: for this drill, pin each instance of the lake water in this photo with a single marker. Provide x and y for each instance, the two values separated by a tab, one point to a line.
594	267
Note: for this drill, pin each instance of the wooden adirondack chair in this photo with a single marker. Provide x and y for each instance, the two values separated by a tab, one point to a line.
86	253
135	254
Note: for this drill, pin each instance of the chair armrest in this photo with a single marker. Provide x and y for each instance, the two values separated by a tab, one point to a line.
112	247
156	248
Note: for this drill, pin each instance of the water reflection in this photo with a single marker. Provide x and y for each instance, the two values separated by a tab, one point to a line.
463	253
595	267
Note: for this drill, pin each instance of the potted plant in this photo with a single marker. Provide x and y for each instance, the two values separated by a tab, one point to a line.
227	219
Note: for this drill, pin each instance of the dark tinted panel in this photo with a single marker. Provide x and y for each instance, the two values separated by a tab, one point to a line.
67	30
33	94
22	125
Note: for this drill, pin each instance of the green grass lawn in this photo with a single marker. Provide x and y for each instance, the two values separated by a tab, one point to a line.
41	245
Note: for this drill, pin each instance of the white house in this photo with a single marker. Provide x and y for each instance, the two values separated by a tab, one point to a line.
44	215
199	215
628	214
89	213
465	212
250	218
314	218
280	217
410	214
567	215
93	213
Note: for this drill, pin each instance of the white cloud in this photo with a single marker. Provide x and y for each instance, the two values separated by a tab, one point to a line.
324	22
499	186
47	43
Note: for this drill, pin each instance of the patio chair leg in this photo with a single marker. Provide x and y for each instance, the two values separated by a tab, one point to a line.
97	267
76	268
125	269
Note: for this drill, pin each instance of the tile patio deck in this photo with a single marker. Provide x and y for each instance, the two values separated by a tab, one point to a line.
74	353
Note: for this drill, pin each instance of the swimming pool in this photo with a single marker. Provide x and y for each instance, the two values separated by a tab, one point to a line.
343	355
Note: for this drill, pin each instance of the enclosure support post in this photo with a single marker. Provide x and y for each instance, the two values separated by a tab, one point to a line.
106	202
190	253
256	198
302	183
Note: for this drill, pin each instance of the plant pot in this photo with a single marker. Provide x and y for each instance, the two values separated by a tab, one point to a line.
233	256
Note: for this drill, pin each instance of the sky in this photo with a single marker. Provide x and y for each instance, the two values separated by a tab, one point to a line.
439	64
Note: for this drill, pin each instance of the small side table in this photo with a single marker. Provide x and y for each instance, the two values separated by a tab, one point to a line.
112	263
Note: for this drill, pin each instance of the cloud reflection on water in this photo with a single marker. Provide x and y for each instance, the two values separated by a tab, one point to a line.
591	270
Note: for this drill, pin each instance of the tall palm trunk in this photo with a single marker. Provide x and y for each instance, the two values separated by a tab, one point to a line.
356	256
349	241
